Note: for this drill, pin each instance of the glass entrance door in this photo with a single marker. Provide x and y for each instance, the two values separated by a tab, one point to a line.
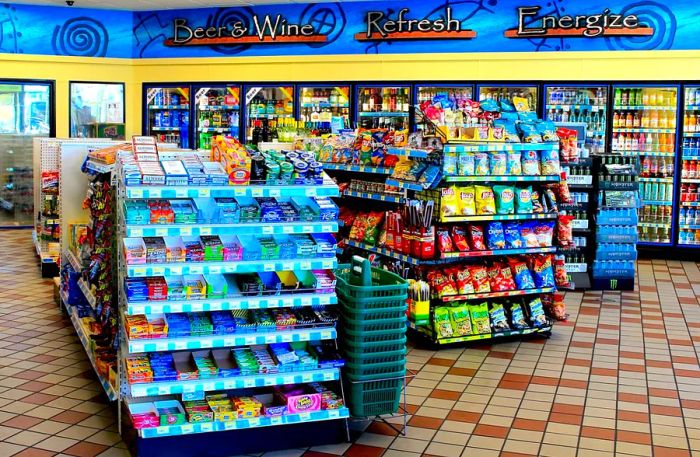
25	113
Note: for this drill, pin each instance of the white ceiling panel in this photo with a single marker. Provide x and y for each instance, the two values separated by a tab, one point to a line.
142	5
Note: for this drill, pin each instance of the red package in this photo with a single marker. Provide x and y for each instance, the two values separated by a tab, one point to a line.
476	235
560	275
441	284
459	237
463	280
554	306
444	242
562	190
480	278
565	234
501	278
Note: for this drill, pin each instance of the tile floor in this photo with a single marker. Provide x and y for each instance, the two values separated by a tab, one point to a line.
620	378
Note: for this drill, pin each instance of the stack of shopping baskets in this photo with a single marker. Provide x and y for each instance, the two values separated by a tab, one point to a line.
372	337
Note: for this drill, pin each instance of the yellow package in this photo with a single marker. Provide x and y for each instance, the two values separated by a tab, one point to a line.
485	201
521	104
467	204
449	202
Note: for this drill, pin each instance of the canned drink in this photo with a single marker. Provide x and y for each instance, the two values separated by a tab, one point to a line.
662	192
654	194
258	171
174	99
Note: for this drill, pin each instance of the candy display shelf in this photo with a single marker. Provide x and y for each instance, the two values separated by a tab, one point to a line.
545	330
206	427
357	168
499	217
227	304
553	178
507	293
308	264
374	196
89	296
152	389
251	228
226	341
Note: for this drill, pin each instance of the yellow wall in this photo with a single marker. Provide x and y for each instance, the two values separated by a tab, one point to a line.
569	66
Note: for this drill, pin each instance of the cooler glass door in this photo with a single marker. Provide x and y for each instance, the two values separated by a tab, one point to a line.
644	122
580	104
689	212
269	109
168	115
509	92
383	106
452	99
216	112
328	104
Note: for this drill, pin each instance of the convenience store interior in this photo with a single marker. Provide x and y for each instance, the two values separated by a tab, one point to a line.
94	363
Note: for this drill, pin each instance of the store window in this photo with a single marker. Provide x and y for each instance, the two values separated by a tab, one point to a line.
25	113
97	110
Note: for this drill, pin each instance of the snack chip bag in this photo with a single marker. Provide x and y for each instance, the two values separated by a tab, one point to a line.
400	138
565	236
506	105
536	310
442	284
449	164
545	233
528	235
449	202
466	164
560	275
499	321
485	202
521	104
463	279
500	278
499	163
480	278
480	319
481	164
444	242
537	207
515	166
542	272
517	317
562	192
459	318
459	239
521	274
530	163
489	105
549	162
476	235
505	197
554	306
507	123
359	226
374	221
495	237
529	133
441	322
523	200
430	176
467	203
548	131
511	233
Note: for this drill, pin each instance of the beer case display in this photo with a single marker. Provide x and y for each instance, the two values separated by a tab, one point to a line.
267	109
383	106
452	98
689	212
508	92
644	124
328	104
168	114
585	104
216	112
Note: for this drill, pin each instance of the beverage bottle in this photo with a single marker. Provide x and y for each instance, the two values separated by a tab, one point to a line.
654	168
671	120
652	97
635	142
641	143
686	120
624	100
690	216
670	168
629	120
682	215
685	169
650	142
616	119
618	97
646	167
645	119
692	123
654	119
670	142
668	99
692	169
614	145
637	120
622	142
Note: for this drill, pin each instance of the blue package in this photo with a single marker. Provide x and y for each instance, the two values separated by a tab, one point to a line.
507	106
495	238
511	233
542	271
521	274
489	105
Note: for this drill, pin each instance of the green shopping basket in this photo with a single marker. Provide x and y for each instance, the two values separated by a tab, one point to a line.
373	347
359	283
374	398
394	325
376	338
373	315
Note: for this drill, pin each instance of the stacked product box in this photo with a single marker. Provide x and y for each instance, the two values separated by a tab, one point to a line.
616	252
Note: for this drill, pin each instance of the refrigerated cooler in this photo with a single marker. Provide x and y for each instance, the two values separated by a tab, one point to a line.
645	125
585	104
689	212
269	113
216	112
499	92
452	98
168	114
328	104
382	106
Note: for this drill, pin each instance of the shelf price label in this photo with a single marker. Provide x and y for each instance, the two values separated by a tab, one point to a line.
249	382
205	231
136	193
135	232
181	192
288	229
268	230
186	231
139	271
204	192
327	228
269	267
306	301
158	271
275	193
304	416
307	229
180	345
214	269
257	192
276	420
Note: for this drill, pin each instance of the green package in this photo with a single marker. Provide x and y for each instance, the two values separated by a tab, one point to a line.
480	319
505	199
441	322
459	318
